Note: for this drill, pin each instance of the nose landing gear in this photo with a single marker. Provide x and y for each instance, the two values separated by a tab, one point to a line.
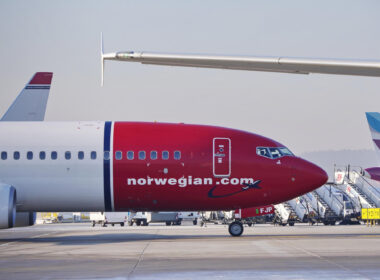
236	228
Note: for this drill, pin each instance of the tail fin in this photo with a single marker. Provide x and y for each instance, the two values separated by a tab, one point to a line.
374	126
30	104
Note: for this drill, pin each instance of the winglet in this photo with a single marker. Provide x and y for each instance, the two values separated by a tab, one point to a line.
102	57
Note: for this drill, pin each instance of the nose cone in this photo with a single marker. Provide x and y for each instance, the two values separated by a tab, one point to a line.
309	176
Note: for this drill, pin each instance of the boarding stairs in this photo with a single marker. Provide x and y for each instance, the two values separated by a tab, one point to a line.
284	214
363	195
328	213
299	208
364	188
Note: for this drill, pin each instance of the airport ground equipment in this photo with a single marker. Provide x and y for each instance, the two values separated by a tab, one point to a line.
189	216
145	218
371	215
363	192
327	194
316	210
365	187
284	214
217	217
299	208
326	214
108	218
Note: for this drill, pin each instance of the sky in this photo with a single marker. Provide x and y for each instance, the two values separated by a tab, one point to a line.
306	113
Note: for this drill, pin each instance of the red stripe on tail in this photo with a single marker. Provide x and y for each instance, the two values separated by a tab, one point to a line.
42	78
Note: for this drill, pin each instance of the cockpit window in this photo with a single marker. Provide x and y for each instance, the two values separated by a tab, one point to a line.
273	152
263	152
285	151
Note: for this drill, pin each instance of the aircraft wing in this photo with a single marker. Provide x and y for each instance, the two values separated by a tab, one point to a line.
254	63
30	104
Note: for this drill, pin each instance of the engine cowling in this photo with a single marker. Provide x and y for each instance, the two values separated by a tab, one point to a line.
7	206
25	219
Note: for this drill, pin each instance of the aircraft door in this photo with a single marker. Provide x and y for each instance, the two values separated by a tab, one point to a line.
222	157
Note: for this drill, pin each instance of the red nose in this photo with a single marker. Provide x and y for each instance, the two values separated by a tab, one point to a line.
309	176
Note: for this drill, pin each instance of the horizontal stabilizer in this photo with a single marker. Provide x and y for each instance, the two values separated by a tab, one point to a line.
30	104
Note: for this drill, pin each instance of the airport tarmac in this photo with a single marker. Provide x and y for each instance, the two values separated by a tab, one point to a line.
78	251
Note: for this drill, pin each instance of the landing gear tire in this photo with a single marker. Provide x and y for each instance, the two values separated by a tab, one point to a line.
236	228
121	224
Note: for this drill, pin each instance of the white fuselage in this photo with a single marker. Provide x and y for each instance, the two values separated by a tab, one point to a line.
61	184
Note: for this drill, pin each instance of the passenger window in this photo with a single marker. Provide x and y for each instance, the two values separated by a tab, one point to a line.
42	155
16	155
106	155
142	155
165	155
80	155
130	155
93	155
153	155
67	155
177	155
29	155
4	155
118	155
54	155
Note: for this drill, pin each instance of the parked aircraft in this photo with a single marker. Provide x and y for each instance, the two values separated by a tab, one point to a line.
136	166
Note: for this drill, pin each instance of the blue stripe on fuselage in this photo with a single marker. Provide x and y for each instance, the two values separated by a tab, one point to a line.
107	167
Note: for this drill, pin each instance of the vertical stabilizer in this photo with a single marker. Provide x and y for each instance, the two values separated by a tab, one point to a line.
374	126
30	104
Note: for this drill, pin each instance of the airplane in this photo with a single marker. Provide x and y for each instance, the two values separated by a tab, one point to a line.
136	166
373	120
